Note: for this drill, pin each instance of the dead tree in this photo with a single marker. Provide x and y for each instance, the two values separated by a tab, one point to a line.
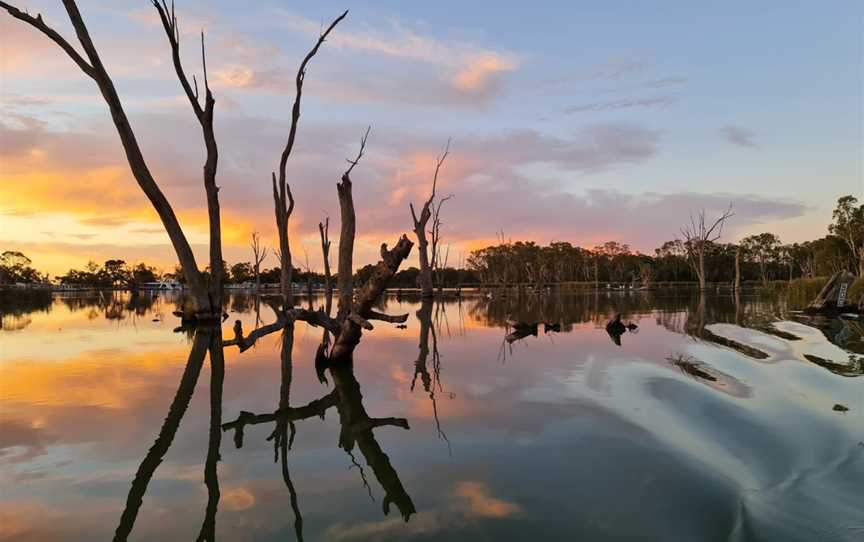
324	230
258	253
282	197
425	277
361	309
698	236
347	232
356	425
438	264
204	301
737	284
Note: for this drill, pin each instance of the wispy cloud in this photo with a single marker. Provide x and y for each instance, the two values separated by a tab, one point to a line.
739	136
648	103
441	72
667	82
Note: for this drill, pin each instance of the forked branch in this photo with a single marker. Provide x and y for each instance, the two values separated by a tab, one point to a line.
38	23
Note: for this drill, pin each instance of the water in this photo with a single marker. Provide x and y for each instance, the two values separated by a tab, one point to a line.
714	420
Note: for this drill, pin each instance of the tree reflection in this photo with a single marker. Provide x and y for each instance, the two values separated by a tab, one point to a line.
356	430
200	345
214	442
431	382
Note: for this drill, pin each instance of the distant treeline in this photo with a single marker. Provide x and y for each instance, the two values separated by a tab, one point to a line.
762	257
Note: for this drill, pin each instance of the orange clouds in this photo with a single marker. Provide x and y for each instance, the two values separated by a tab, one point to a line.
481	504
237	498
478	72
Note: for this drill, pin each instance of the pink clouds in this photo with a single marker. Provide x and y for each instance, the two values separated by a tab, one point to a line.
487	175
427	70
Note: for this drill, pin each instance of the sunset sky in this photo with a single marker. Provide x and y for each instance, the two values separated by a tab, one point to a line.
571	121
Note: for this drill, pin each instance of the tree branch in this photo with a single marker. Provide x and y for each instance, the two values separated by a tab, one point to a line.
295	110
359	154
169	24
39	24
350	333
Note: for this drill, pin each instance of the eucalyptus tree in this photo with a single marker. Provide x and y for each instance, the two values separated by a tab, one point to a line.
763	248
848	224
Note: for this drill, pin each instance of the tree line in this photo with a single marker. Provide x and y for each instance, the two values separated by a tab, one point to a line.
696	256
761	257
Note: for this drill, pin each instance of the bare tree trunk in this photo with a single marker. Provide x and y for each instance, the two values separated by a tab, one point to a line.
198	301
205	119
702	270
281	192
697	236
361	309
437	265
324	230
425	276
737	284
346	245
346	233
259	253
284	205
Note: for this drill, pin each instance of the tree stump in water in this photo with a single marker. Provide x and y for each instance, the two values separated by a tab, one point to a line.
833	297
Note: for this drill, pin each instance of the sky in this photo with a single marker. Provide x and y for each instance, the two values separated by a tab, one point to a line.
569	121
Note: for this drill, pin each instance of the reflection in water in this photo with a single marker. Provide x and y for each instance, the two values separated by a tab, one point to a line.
431	382
717	423
211	475
356	430
157	452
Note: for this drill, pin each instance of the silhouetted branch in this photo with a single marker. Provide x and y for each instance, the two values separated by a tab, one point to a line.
425	277
349	335
205	118
291	414
38	23
282	196
347	232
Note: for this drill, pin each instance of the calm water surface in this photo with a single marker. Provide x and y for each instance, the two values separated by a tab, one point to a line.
714	420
